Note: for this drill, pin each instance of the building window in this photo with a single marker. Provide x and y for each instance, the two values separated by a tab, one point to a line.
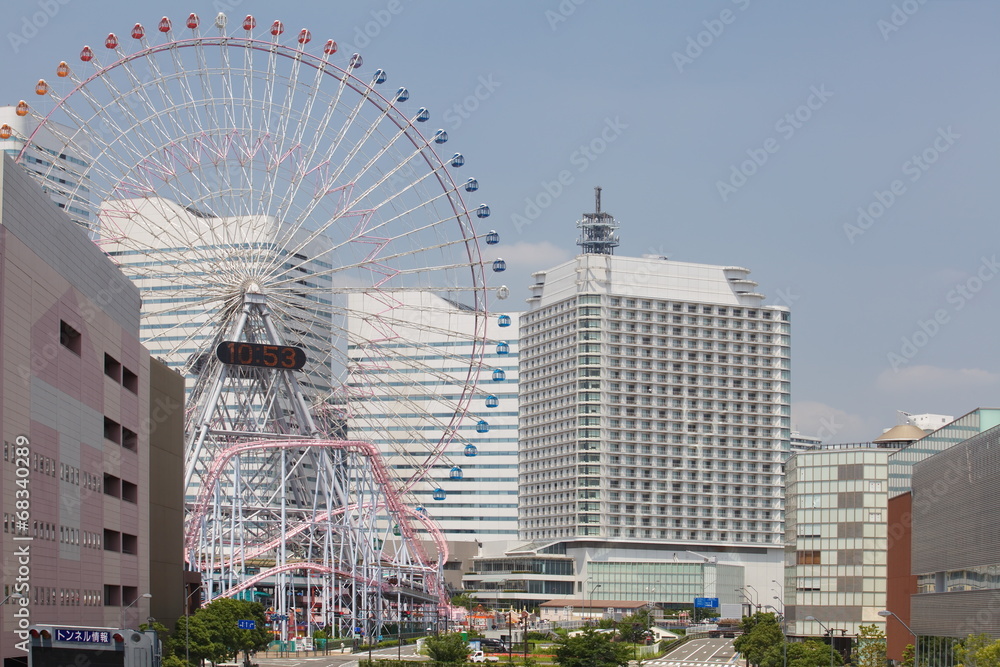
70	338
112	368
112	430
130	439
130	380
112	540
112	486
130	492
807	558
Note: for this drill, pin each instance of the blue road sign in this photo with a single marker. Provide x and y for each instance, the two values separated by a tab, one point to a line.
247	625
708	603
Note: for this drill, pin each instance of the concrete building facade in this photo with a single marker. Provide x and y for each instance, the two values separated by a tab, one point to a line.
836	539
655	401
76	414
412	353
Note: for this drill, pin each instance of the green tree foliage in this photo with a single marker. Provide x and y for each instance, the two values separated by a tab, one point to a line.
591	649
810	653
760	633
213	632
907	660
449	648
464	600
978	651
633	627
869	651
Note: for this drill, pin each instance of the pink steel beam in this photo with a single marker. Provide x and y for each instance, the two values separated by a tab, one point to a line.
313	567
395	506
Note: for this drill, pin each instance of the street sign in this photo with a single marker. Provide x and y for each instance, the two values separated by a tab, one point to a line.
707	603
247	625
83	636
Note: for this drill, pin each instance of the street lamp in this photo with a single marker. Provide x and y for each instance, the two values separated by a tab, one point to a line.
828	631
12	595
586	611
126	607
784	633
756	595
187	624
916	640
745	596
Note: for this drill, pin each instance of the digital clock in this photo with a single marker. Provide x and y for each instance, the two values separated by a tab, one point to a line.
284	357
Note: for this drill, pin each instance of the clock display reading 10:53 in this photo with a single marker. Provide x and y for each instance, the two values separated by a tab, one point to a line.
284	357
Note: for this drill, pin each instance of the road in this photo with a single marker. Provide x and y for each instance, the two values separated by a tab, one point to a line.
333	659
695	653
698	653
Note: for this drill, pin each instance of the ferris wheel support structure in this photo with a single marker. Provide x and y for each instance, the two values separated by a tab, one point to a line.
265	196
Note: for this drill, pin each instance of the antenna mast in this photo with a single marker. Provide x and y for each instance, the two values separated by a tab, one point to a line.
597	230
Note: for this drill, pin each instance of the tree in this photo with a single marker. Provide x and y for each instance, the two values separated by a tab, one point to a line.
978	651
195	641
450	648
760	633
908	655
810	653
632	628
591	649
464	600
213	632
870	649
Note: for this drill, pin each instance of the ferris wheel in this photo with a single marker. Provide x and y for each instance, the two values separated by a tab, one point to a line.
308	262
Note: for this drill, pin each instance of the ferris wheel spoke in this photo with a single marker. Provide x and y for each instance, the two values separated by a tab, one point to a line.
255	197
349	209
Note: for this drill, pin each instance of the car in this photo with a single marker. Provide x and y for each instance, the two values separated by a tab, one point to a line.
492	644
479	656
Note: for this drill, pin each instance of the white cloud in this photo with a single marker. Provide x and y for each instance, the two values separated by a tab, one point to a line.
919	379
831	424
533	256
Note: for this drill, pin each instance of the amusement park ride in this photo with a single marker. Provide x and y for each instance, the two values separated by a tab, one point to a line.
248	184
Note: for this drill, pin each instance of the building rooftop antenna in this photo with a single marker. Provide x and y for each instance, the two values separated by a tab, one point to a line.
597	230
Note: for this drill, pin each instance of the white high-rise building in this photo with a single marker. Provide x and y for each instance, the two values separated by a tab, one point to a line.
413	357
61	172
178	244
655	401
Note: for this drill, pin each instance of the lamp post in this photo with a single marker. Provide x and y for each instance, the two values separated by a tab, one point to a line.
586	605
745	596
784	633
916	640
828	631
187	624
126	607
12	595
756	595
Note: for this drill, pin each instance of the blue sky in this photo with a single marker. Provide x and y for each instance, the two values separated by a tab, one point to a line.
732	132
